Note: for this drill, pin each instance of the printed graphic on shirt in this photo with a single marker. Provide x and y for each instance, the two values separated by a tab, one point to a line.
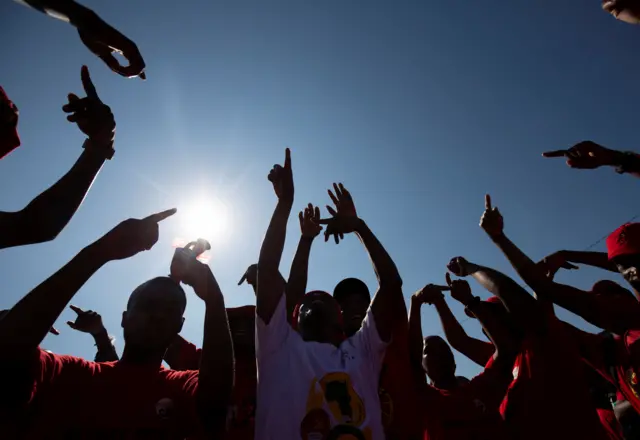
632	381
335	392
164	408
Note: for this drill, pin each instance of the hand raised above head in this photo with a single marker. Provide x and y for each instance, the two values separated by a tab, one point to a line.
429	294
87	321
551	264
132	236
310	221
585	155
459	267
491	220
282	179
103	40
344	218
460	290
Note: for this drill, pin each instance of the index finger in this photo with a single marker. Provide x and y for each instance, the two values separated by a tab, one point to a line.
487	201
243	279
442	288
89	88
555	153
448	278
287	158
159	216
76	309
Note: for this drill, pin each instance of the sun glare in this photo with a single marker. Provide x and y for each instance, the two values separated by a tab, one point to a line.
206	217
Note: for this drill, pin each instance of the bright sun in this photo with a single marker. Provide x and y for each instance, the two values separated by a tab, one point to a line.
205	217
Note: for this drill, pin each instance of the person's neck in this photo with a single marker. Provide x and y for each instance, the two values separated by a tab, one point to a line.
450	383
142	355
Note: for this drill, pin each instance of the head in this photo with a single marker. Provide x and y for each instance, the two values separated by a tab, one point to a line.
623	248
438	361
624	10
500	314
154	314
9	139
354	298
318	318
242	321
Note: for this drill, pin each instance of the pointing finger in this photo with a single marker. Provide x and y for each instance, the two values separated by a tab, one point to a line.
448	278
287	159
243	279
76	309
89	88
487	202
159	216
54	331
555	153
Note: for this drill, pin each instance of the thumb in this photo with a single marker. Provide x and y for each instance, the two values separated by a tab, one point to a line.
448	278
72	325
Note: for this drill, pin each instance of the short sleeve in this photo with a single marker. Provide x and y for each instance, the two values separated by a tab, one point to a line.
368	341
271	337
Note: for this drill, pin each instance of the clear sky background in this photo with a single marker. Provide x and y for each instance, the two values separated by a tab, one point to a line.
420	108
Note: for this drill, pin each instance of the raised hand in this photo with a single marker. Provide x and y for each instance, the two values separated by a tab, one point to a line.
344	218
282	179
586	155
87	321
623	10
132	236
310	221
429	294
250	276
491	220
551	264
103	40
93	117
460	267
460	290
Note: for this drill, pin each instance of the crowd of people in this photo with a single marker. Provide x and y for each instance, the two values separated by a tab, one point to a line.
313	365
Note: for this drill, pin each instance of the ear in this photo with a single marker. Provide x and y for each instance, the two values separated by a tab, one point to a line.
124	319
181	324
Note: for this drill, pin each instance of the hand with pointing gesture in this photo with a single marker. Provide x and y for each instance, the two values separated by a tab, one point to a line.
491	220
282	179
132	236
460	290
586	155
551	264
344	219
87	321
93	117
429	294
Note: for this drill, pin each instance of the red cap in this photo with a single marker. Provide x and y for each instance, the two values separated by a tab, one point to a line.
9	139
624	241
490	300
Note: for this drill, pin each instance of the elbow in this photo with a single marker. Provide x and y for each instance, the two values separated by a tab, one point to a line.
394	282
38	228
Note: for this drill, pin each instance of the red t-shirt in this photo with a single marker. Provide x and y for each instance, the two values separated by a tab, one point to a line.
73	398
610	424
470	412
623	357
548	398
397	390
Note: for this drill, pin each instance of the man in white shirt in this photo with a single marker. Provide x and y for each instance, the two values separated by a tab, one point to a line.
314	384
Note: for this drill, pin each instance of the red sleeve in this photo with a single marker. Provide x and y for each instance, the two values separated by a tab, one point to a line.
183	355
591	348
491	385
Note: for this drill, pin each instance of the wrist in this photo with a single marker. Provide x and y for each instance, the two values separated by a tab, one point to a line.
95	253
100	335
307	238
360	225
99	148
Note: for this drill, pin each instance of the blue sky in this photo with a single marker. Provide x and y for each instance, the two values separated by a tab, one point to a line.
420	108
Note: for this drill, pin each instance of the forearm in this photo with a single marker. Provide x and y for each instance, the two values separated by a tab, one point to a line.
47	215
627	163
66	10
106	352
415	338
385	268
476	350
268	293
595	259
24	327
297	283
216	374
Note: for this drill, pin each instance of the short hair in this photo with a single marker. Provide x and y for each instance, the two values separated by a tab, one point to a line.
161	283
351	286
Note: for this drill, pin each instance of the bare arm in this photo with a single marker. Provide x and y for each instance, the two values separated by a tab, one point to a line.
216	373
47	215
589	155
297	284
475	349
505	347
270	284
416	340
67	10
595	259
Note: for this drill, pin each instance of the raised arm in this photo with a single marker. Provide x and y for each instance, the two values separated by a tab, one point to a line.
27	323
297	284
216	372
100	38
588	155
388	305
47	215
270	284
88	321
596	309
416	338
563	259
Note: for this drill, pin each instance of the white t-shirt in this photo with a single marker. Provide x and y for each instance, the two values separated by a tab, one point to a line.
314	391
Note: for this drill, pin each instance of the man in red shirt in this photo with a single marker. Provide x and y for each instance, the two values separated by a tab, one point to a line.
453	409
51	396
